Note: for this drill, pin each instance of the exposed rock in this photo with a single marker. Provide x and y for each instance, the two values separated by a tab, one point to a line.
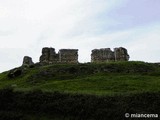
27	61
106	54
14	73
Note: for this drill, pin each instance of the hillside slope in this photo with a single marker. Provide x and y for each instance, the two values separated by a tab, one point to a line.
100	79
87	91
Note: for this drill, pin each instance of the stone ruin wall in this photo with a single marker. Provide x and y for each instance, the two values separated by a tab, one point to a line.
27	61
49	56
121	54
106	54
68	55
102	55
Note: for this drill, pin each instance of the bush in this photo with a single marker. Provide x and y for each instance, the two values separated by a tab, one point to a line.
82	107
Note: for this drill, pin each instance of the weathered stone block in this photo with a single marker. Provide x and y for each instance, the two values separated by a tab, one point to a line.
27	61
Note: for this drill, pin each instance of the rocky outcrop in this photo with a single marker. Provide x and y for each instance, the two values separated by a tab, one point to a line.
15	73
106	54
27	61
49	56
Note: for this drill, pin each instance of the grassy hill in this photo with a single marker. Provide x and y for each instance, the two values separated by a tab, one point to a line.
92	90
100	79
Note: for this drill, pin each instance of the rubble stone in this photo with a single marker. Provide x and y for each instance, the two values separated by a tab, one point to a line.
27	61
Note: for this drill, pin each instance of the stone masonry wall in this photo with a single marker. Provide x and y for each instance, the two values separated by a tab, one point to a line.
106	54
68	55
101	55
49	56
121	54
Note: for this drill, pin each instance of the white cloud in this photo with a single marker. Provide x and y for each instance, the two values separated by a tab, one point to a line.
28	25
144	43
27	19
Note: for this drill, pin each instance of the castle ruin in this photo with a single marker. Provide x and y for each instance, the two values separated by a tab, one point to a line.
106	54
68	55
49	56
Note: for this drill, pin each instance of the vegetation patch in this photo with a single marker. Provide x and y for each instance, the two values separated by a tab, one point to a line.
80	91
74	106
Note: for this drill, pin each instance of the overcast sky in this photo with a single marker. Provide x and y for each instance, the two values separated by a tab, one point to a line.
26	26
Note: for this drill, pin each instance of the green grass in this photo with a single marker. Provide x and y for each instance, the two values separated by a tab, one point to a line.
98	79
101	85
96	91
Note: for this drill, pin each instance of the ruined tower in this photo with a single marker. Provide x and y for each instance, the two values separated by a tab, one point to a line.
49	56
106	54
121	54
27	60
